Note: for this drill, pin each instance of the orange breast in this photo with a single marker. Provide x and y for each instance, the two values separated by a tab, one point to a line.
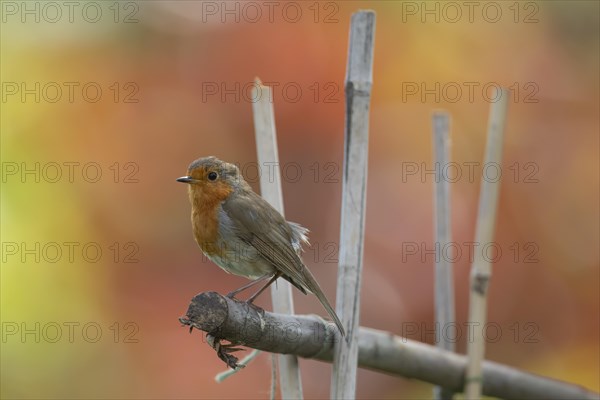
205	219
206	229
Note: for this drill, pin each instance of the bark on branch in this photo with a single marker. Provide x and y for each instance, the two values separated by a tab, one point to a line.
310	336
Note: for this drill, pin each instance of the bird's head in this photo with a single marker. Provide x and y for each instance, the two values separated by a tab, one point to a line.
211	179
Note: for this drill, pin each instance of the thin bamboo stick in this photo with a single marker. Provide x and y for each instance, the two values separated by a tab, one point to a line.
359	78
281	293
444	281
481	270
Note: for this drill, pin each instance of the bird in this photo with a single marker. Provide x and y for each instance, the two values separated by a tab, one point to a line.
243	234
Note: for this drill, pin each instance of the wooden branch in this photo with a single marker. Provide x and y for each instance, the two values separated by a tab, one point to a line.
444	280
359	78
481	269
270	190
312	337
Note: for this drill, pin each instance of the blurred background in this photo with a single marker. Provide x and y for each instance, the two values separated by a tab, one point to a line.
104	104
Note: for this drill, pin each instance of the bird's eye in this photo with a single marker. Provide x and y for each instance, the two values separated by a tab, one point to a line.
212	176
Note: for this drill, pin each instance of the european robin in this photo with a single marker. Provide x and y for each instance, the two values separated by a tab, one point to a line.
243	234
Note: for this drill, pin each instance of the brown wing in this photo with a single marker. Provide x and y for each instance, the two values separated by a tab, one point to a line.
257	223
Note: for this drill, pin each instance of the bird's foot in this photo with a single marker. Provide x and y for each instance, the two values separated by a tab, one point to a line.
224	351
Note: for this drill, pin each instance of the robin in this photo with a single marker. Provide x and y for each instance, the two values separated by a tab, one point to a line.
243	234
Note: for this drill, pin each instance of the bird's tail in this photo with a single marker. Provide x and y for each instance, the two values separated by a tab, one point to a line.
313	286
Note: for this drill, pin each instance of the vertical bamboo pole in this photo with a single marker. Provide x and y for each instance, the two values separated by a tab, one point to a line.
281	293
359	78
444	281
481	270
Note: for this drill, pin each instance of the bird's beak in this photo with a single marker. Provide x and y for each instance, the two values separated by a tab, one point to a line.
185	179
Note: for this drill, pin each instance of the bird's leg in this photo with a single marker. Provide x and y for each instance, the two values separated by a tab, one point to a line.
231	295
262	289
